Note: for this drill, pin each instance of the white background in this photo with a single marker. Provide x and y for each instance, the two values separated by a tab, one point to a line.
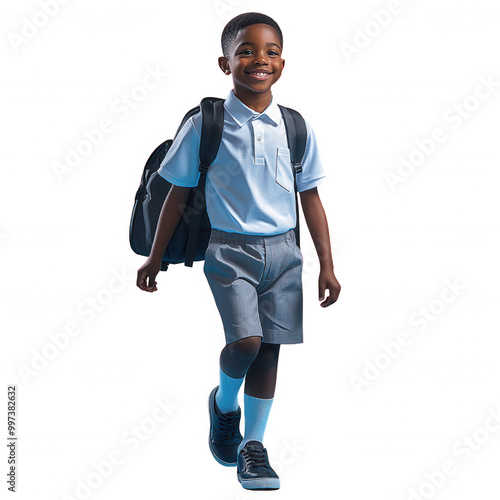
396	251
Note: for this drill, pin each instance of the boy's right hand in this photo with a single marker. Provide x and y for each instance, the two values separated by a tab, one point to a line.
146	276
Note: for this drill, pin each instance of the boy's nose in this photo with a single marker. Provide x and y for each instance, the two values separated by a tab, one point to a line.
261	59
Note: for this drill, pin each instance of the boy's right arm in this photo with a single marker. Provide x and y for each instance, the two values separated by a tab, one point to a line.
171	213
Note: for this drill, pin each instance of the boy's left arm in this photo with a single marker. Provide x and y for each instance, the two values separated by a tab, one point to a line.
315	216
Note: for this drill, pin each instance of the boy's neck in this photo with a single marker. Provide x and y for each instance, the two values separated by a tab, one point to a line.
258	101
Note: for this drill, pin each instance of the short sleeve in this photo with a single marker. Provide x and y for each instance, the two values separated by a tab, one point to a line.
312	169
180	165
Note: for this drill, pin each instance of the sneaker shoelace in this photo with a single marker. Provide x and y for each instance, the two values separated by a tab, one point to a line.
255	457
229	427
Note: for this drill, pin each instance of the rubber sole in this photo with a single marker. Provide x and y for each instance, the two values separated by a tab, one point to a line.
263	483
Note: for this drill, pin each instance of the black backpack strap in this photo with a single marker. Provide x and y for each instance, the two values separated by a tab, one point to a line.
296	134
212	113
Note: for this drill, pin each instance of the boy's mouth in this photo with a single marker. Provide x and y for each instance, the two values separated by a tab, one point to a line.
260	74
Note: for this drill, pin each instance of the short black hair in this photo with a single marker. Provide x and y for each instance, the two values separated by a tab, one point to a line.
236	24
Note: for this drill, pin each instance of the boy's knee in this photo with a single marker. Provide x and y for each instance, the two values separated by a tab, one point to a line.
245	350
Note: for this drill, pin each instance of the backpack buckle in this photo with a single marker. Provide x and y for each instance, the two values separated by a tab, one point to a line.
203	168
298	167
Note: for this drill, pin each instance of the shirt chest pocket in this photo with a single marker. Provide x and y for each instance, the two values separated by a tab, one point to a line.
283	173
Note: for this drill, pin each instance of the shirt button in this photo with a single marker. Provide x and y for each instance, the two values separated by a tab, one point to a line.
255	117
259	138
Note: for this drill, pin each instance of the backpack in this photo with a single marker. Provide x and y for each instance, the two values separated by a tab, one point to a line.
191	236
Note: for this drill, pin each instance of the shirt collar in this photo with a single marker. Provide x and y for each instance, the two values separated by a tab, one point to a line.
241	113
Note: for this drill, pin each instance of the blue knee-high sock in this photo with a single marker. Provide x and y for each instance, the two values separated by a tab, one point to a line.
256	415
226	396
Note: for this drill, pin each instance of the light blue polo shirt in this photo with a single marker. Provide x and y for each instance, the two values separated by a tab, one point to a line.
250	183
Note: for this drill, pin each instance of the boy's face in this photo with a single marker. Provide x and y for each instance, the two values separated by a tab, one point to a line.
255	60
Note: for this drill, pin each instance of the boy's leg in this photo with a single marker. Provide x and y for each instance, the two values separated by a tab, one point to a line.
235	359
225	413
261	377
260	383
253	468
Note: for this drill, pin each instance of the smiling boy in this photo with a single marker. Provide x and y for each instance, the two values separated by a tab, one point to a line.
253	264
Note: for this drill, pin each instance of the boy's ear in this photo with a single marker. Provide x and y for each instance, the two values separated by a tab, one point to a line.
224	65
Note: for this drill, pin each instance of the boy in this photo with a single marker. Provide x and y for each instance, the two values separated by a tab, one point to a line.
252	263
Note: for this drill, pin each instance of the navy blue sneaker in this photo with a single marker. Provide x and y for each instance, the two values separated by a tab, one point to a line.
253	469
224	437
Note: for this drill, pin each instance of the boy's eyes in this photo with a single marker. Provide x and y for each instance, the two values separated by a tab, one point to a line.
271	52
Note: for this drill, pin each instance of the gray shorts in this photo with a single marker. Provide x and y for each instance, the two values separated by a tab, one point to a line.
256	282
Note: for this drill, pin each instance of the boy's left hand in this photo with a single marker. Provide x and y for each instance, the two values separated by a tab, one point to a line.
327	280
